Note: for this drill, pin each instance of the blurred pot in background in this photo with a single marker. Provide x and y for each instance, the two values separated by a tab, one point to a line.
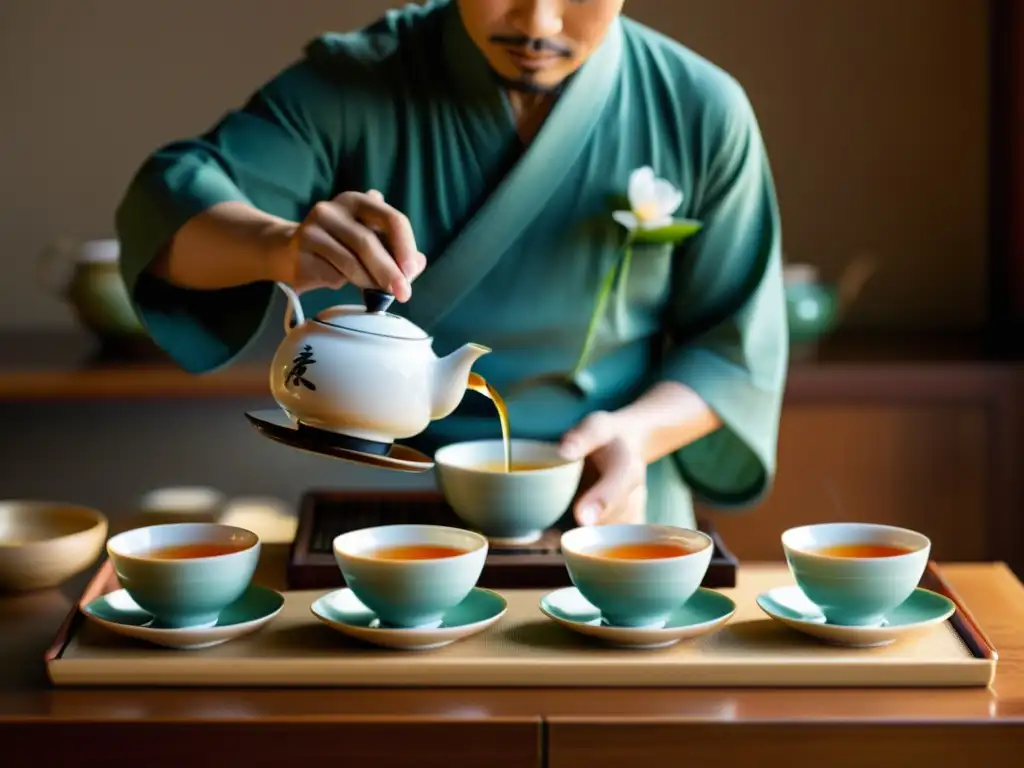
815	308
86	275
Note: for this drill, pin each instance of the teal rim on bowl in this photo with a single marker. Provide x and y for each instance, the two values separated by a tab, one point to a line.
185	591
855	591
410	593
636	592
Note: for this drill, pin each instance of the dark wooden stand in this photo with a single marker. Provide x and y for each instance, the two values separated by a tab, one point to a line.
323	515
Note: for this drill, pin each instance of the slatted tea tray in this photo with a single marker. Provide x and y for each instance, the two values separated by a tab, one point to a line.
323	515
526	649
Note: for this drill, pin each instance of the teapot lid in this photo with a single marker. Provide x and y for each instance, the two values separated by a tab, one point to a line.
372	318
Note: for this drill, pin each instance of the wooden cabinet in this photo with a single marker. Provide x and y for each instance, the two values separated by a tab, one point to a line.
928	444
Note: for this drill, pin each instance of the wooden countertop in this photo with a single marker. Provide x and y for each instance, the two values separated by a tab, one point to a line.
49	366
559	727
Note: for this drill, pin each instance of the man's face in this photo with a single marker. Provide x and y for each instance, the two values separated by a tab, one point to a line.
533	45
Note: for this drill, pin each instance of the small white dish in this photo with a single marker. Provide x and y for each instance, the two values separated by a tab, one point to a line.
341	610
117	612
702	614
919	614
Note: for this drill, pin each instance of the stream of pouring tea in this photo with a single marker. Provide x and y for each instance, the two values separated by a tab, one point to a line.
477	383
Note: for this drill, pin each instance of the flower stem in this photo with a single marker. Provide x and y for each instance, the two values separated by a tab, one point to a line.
620	284
601	302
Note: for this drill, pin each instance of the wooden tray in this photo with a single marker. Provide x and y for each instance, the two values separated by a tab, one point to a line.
323	515
524	649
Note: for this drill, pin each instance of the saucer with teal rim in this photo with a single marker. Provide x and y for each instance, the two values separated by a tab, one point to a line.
342	610
917	615
702	614
117	612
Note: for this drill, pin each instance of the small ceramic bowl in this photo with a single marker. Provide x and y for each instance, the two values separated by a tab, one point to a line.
507	507
185	591
410	593
855	590
636	592
44	543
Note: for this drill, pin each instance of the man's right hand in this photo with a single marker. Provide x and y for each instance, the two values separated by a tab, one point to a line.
355	238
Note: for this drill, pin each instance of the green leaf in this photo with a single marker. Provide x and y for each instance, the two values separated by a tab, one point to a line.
676	232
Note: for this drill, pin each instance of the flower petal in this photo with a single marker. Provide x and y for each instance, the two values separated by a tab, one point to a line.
626	219
669	198
641	187
662	221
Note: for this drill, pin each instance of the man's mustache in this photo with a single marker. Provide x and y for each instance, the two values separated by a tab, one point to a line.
532	44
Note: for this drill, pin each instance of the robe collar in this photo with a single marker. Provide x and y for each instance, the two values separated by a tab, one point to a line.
522	195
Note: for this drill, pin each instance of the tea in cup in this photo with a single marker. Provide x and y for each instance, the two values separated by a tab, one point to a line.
410	575
508	507
636	574
856	572
185	574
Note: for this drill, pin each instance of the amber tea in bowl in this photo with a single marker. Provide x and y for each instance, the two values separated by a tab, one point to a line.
410	575
508	507
856	572
636	574
185	574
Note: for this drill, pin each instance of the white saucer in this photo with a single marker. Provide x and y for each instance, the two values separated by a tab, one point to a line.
118	613
703	613
919	614
342	610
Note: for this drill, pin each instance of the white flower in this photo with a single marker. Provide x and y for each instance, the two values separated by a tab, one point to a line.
652	201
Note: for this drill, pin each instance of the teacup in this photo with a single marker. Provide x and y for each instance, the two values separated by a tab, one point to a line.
636	574
410	575
856	572
185	574
507	507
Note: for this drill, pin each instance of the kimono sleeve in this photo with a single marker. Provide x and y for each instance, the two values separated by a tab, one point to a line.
276	153
727	317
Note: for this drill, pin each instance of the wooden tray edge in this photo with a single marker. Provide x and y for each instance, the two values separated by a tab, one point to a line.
105	580
963	620
102	582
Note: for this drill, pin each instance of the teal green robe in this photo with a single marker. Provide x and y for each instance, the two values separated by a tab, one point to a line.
517	239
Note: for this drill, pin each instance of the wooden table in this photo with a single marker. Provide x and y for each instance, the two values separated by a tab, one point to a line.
521	728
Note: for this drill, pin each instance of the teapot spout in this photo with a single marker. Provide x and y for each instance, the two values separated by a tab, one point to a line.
451	376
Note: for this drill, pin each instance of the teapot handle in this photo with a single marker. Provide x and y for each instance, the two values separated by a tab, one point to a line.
294	308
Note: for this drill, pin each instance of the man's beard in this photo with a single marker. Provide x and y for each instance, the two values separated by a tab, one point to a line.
527	84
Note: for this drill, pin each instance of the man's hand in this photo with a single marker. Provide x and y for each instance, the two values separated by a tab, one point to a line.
619	491
355	238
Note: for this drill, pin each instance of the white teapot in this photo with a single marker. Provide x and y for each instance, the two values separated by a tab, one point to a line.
362	373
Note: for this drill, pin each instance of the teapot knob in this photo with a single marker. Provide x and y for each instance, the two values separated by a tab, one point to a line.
377	301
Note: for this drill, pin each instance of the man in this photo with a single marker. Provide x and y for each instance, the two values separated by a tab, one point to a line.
482	141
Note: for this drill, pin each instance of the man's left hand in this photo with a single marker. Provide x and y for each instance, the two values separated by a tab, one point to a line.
619	493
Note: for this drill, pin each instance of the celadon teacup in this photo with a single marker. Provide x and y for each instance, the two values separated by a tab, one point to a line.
855	591
184	592
410	593
508	507
636	593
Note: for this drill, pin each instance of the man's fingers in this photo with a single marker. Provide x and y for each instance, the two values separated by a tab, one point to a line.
373	211
322	245
616	482
340	223
595	431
